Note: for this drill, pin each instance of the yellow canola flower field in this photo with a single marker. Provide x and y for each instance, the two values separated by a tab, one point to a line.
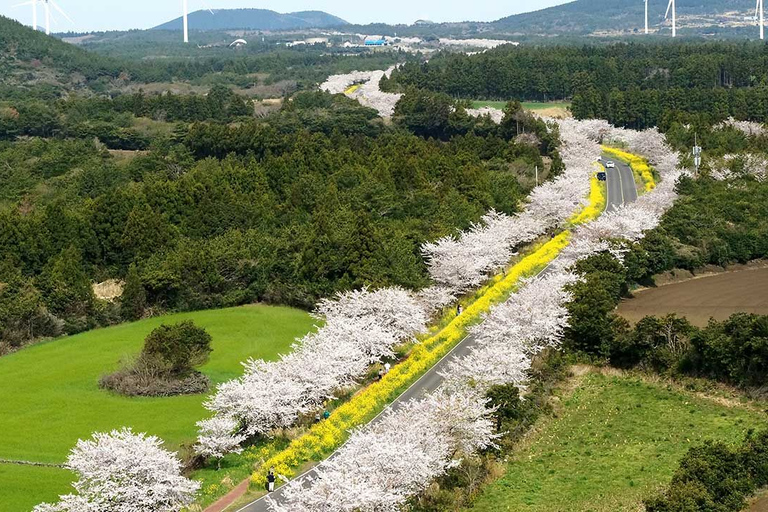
638	164
325	437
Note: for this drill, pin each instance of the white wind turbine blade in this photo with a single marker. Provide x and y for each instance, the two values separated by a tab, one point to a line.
56	6
23	4
757	8
207	8
669	6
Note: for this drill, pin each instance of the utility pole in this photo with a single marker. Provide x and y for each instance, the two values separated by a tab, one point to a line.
696	153
537	175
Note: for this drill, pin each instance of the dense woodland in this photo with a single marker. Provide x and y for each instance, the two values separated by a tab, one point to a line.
319	197
633	85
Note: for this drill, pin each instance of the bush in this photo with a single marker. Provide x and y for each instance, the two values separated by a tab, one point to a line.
146	376
166	365
716	478
178	348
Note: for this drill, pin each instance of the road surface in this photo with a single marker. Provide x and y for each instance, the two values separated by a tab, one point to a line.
620	184
621	189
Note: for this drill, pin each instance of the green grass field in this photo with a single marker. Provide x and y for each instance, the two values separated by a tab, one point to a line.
615	441
23	487
530	105
52	396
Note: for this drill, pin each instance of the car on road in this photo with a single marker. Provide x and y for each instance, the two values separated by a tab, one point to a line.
601	176
609	165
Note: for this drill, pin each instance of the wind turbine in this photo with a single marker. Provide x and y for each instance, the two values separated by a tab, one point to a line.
48	15
33	3
646	17
759	14
185	9
674	16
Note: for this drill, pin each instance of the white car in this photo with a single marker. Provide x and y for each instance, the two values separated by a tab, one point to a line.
610	165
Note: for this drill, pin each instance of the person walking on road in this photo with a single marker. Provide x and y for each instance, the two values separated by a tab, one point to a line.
271	480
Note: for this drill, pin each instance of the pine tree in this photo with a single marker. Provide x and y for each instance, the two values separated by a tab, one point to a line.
134	299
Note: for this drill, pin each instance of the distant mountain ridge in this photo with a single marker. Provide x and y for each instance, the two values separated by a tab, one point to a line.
597	17
254	19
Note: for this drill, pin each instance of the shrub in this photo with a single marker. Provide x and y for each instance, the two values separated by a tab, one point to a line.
166	365
179	348
716	477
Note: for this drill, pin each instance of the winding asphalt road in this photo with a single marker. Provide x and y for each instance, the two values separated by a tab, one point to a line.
621	189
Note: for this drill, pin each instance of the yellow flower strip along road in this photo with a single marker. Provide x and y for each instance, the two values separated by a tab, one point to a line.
639	166
325	437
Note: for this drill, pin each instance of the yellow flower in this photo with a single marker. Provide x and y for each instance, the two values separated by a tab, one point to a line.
324	437
639	166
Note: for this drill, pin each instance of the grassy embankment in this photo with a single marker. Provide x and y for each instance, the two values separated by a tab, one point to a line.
51	395
612	443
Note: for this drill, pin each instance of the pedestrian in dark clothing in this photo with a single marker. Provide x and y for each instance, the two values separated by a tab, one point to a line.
271	480
458	309
326	415
381	374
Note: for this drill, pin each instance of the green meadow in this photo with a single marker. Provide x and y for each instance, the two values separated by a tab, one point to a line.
529	105
50	395
614	442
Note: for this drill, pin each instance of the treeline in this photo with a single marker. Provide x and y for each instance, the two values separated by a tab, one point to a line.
559	72
112	120
258	211
645	108
633	85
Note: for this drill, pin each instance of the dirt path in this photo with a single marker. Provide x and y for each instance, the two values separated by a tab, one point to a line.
717	296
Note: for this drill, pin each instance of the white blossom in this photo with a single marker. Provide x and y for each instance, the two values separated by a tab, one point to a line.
219	436
124	472
385	463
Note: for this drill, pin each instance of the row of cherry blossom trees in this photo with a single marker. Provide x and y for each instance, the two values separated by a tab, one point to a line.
462	262
362	327
385	463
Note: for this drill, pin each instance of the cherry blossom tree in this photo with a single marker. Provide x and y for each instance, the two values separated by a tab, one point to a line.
387	462
124	472
219	436
362	327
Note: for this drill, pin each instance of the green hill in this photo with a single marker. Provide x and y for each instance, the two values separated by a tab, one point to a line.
607	16
254	19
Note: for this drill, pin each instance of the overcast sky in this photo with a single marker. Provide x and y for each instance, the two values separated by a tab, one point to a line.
93	15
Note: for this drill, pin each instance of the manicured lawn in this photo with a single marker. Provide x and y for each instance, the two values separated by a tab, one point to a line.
50	395
530	105
23	487
615	441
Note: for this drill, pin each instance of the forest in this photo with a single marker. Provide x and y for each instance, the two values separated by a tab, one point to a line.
317	198
629	84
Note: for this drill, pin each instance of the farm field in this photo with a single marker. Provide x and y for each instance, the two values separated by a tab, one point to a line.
717	296
615	440
52	388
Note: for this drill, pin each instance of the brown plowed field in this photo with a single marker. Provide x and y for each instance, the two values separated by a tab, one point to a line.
698	299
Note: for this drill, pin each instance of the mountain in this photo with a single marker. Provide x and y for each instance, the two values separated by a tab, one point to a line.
616	17
254	19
